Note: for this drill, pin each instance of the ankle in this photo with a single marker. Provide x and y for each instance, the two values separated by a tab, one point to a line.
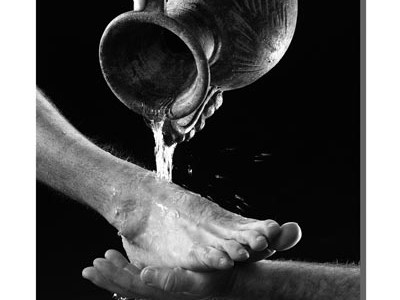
126	193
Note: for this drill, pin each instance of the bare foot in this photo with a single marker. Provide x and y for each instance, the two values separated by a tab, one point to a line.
170	226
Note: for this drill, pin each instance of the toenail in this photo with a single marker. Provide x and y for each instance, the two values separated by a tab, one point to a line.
273	225
223	261
261	239
244	253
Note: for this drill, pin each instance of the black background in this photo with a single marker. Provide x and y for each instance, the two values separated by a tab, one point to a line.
304	114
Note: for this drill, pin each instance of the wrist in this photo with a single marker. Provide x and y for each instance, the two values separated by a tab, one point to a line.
251	281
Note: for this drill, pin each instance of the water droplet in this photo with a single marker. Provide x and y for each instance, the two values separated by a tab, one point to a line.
118	297
190	170
264	154
229	149
261	156
239	197
245	204
239	208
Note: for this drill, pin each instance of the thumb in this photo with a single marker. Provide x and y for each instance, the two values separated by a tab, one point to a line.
167	279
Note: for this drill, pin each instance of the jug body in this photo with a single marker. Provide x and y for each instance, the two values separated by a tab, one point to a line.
243	39
168	61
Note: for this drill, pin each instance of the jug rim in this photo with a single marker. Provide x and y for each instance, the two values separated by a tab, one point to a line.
182	106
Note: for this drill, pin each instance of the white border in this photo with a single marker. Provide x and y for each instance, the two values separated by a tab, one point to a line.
17	125
17	113
383	149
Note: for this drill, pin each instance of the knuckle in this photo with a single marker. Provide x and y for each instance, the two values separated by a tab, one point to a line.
169	284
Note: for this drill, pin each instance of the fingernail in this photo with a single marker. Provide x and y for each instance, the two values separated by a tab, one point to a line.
191	134
218	101
147	275
210	111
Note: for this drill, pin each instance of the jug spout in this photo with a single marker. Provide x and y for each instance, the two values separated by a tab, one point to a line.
167	61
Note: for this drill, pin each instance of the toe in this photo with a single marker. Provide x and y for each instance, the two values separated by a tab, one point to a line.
209	258
260	255
289	237
235	250
268	228
253	239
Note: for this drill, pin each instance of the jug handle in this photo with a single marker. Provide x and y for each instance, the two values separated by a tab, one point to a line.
154	6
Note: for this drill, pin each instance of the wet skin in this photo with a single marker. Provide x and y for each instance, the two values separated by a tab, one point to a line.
115	274
169	226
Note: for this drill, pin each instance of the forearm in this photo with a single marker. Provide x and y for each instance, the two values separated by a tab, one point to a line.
286	280
71	164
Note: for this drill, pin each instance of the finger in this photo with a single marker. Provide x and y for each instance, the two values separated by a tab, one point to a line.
209	109
190	135
90	273
138	5
126	284
95	276
200	123
112	273
179	280
121	280
218	100
116	258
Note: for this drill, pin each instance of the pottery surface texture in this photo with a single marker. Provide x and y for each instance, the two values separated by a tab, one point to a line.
168	61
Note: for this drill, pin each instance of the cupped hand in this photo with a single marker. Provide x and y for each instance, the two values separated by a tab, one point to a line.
115	274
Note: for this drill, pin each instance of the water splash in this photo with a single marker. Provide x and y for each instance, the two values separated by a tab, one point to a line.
115	296
241	200
162	152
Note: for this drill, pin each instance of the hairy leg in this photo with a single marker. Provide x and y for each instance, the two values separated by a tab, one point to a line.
161	223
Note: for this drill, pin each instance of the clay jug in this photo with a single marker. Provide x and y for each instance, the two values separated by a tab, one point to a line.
167	61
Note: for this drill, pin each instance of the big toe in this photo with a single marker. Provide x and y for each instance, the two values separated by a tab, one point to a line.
290	235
